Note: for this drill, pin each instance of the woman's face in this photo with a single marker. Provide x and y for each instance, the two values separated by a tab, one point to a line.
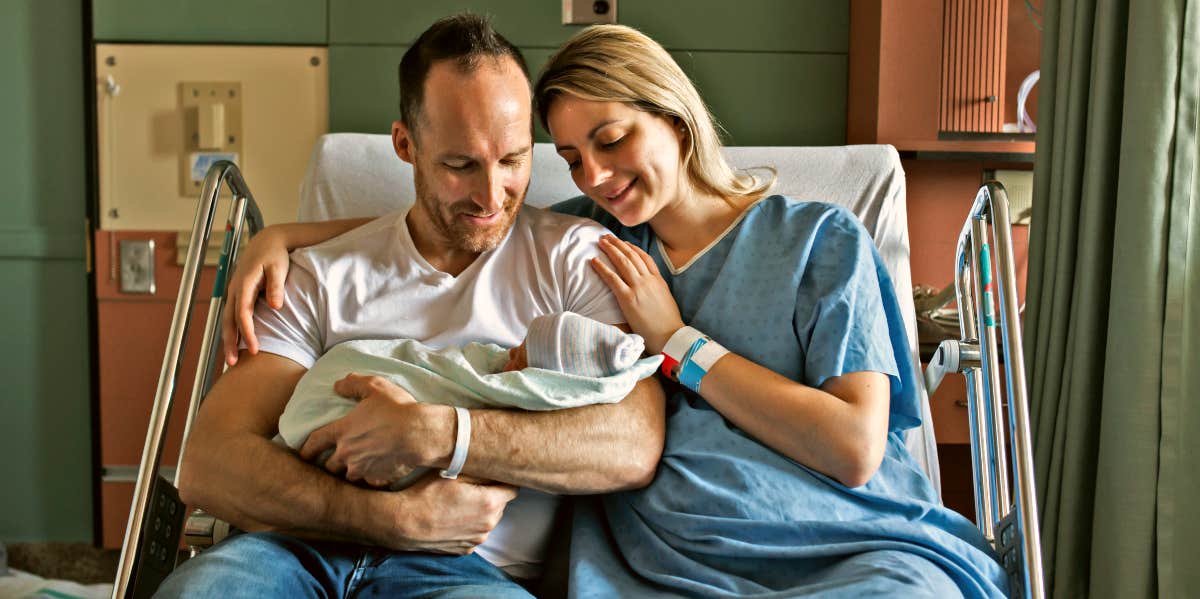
626	160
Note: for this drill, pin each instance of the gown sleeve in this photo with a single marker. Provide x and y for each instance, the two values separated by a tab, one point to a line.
847	317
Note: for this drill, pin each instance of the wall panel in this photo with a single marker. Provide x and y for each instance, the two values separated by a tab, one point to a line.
820	26
45	417
760	98
399	22
216	21
773	99
748	25
45	421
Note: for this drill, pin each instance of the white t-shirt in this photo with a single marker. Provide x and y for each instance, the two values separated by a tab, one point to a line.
372	283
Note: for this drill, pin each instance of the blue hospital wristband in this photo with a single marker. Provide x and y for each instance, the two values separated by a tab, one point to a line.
700	358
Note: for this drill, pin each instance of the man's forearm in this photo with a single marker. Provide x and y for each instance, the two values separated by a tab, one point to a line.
257	485
592	449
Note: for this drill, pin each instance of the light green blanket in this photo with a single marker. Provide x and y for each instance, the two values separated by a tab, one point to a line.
466	377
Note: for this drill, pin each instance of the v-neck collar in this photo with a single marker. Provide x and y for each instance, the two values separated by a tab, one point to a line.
662	251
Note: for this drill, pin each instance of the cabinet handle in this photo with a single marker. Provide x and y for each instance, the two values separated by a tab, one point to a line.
991	99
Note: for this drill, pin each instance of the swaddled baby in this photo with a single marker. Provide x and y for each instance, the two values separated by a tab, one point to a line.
566	361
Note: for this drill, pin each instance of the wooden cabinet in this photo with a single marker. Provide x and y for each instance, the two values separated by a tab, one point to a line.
922	67
974	55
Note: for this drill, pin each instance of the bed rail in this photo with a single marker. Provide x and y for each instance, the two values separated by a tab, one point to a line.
1011	528
156	515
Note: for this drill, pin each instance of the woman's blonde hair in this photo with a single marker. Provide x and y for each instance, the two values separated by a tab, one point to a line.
615	63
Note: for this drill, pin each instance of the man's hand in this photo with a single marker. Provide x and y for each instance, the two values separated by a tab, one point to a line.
374	442
441	515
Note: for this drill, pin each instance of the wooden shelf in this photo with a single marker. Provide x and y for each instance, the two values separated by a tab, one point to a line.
992	151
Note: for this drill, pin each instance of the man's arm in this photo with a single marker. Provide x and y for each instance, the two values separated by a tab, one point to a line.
591	449
233	470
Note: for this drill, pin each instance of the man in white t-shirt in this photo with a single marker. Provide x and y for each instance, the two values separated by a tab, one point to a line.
466	263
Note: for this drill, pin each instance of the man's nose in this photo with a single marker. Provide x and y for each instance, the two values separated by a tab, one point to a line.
492	195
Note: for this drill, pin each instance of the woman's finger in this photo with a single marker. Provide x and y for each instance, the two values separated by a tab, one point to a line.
245	298
645	258
630	252
610	278
276	274
620	261
229	341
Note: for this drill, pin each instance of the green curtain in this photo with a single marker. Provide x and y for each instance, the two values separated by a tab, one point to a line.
1112	304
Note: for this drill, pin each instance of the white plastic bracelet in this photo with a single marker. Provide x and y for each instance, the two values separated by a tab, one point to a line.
677	348
708	355
699	360
462	442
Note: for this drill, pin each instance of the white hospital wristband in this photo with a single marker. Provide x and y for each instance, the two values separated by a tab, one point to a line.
699	361
677	348
462	442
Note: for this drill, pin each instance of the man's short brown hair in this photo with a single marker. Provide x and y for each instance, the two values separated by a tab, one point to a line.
464	38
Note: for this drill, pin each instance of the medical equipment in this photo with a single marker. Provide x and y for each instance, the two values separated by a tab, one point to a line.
1011	528
1025	122
156	516
359	175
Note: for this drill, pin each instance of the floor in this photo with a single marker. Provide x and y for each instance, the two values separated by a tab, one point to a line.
78	562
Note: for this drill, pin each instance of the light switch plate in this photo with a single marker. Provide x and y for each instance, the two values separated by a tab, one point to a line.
197	100
1019	186
588	12
137	266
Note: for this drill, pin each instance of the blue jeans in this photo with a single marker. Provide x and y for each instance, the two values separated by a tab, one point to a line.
276	565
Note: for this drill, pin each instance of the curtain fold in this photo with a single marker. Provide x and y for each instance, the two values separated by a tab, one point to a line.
1112	324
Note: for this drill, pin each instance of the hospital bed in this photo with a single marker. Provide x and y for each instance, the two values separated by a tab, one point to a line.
359	175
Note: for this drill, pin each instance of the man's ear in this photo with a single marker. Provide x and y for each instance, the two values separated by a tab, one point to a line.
402	141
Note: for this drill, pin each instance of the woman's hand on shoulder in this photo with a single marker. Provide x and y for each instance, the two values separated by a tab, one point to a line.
262	267
641	291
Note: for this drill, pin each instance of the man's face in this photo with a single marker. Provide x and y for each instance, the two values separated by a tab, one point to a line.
471	154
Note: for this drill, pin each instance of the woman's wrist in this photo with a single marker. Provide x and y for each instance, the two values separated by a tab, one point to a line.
688	356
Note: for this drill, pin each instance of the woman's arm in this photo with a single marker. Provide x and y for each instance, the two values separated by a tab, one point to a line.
263	266
839	429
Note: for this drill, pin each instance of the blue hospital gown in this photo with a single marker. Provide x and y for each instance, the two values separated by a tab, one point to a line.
797	287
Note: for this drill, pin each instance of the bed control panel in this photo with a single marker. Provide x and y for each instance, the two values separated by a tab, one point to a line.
1010	548
159	547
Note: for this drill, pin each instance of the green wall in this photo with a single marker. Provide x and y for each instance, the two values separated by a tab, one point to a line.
774	72
215	21
45	421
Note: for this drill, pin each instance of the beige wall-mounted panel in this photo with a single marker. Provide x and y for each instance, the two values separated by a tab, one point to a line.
144	130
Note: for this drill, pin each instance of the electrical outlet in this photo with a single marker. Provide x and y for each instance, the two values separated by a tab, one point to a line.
589	12
137	266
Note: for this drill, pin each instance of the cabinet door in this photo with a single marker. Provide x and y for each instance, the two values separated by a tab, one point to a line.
974	46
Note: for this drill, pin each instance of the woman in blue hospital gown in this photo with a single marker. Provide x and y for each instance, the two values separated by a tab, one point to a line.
785	474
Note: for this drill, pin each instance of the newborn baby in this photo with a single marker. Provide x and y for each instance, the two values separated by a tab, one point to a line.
566	361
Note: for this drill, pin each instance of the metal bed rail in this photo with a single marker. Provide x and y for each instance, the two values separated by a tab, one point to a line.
1011	527
156	515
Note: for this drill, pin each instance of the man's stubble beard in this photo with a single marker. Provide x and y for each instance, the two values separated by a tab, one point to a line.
461	236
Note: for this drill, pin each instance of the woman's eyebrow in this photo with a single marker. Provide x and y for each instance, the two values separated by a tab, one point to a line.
591	134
